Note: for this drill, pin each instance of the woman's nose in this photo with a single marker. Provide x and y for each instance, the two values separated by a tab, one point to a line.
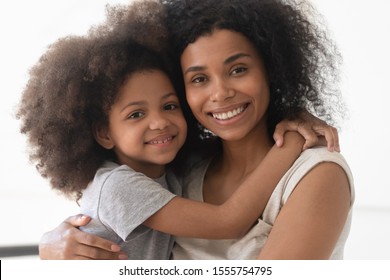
221	91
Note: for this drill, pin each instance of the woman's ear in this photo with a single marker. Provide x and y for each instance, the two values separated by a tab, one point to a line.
102	136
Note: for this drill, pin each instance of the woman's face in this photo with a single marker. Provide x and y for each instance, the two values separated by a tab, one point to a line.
226	84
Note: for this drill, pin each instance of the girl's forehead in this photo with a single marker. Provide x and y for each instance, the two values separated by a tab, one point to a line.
142	82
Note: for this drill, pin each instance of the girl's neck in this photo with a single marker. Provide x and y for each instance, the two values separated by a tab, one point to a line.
153	171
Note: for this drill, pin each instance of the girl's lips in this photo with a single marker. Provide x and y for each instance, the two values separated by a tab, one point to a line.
161	140
227	115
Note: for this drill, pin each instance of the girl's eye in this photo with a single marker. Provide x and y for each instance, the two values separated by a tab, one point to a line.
136	115
239	70
171	107
198	80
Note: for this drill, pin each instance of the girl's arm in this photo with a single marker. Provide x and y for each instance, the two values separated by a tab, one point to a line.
232	219
313	216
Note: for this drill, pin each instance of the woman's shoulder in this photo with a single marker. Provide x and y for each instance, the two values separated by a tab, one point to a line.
309	159
312	157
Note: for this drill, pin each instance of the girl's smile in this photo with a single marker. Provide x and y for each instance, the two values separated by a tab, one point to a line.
146	126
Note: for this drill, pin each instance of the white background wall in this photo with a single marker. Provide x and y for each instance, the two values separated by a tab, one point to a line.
361	29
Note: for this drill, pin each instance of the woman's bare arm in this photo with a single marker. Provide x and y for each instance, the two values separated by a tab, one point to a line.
313	216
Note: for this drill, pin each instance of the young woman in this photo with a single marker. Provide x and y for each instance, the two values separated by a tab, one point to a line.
246	65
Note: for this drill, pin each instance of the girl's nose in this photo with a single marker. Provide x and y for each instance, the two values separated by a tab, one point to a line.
158	121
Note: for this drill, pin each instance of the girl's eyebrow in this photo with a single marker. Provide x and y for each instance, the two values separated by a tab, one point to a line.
227	61
143	103
169	94
194	69
135	103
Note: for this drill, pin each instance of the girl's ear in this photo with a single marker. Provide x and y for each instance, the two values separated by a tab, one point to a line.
102	136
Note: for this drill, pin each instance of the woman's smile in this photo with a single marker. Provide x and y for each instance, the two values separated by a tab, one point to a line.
228	114
227	91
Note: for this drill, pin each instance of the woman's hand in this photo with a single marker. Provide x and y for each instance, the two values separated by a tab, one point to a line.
67	242
314	130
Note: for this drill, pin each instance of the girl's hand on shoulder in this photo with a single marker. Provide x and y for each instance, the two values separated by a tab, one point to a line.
315	131
67	242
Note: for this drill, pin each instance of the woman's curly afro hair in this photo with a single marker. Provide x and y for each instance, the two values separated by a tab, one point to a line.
301	61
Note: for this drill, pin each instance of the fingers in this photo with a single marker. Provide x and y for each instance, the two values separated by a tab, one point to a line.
78	220
67	242
331	136
71	246
308	133
79	244
279	135
94	253
303	128
280	130
86	238
97	242
310	129
320	127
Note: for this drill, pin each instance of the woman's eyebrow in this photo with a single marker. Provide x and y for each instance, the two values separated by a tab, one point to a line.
227	61
235	57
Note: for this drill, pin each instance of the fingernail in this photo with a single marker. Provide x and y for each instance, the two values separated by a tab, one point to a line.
123	257
115	248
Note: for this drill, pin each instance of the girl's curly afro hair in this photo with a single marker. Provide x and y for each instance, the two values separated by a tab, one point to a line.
72	87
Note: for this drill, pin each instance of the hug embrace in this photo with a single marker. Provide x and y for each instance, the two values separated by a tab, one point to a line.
187	131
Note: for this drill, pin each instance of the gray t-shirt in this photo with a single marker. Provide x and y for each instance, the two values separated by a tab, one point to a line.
119	200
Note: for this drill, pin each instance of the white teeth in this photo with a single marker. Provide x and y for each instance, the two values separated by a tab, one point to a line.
229	114
161	141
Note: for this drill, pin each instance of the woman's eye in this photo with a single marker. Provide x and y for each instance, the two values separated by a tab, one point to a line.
239	70
136	115
171	107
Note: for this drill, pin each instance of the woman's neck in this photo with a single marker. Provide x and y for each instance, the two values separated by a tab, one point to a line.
237	161
244	155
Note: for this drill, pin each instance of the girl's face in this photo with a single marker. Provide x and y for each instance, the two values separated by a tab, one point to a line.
226	84
146	125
